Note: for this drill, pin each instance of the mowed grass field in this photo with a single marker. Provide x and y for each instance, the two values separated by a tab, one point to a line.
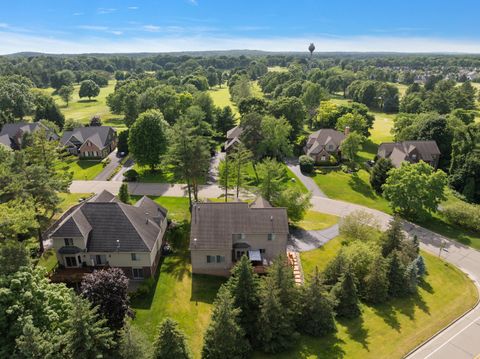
392	329
221	98
82	169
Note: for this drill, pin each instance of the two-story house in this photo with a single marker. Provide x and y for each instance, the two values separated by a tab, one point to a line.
107	232
410	151
90	142
221	233
12	134
325	143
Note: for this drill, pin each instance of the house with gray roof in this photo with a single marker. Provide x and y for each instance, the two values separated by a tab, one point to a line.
12	134
233	138
221	233
325	143
410	151
90	142
104	231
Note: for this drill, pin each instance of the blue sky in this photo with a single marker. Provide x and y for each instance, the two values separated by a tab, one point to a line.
76	26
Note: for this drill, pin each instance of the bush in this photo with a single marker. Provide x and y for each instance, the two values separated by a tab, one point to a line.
463	214
307	163
131	175
359	225
105	161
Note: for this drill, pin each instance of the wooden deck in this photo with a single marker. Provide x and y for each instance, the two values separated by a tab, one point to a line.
70	275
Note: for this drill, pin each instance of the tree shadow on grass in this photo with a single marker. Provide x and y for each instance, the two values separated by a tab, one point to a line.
358	185
205	287
87	101
356	330
177	266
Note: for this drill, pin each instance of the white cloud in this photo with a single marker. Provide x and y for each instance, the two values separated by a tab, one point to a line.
132	8
93	27
11	42
103	10
3	25
78	13
115	32
151	28
193	2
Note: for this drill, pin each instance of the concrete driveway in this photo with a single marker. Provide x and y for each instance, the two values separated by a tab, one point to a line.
307	181
109	168
302	240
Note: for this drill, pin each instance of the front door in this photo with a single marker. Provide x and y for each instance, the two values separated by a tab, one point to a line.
71	261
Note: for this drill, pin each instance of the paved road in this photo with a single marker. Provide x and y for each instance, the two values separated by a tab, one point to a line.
301	240
109	168
307	181
214	163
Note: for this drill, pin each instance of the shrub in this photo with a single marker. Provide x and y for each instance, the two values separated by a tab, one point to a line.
359	225
105	161
307	163
463	214
131	175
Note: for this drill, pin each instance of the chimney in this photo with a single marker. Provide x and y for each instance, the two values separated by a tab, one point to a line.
347	130
146	217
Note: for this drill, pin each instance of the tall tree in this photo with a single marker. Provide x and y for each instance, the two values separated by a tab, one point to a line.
295	201
89	89
225	337
66	93
376	281
394	237
345	293
123	194
271	178
147	139
170	342
396	275
316	308
47	109
239	158
379	173
294	112
108	290
351	145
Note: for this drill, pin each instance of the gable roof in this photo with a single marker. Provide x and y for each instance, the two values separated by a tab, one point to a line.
103	220
260	202
98	135
319	139
234	132
10	131
400	151
214	223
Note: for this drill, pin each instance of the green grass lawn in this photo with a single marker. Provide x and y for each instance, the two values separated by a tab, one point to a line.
277	69
354	188
70	199
290	180
221	98
84	109
392	329
48	260
82	169
162	175
177	206
315	221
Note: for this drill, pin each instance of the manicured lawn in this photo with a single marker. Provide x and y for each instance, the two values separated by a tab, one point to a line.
161	175
221	98
277	69
315	221
70	199
177	206
290	180
82	169
48	260
354	188
392	329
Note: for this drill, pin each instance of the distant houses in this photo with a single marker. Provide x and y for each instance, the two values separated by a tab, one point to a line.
104	232
233	138
410	151
12	134
221	233
325	143
90	142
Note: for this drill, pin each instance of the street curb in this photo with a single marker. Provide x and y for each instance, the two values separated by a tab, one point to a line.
452	322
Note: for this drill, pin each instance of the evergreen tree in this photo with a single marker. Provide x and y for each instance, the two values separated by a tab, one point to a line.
225	337
123	194
170	343
281	274
87	336
393	238
411	278
396	275
316	308
132	344
335	269
379	173
32	344
345	293
416	244
376	282
244	288
276	330
421	267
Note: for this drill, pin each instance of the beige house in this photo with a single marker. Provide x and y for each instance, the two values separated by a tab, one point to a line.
325	143
410	151
221	233
233	138
106	232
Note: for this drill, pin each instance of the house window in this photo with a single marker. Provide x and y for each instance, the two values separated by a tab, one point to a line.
238	236
70	261
210	259
99	259
68	242
330	147
262	251
271	236
220	259
323	158
215	259
240	254
137	273
134	257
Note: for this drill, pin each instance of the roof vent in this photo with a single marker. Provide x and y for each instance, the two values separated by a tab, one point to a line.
146	217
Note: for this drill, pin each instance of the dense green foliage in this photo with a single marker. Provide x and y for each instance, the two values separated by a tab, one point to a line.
170	342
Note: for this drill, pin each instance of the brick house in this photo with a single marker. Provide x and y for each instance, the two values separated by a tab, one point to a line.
325	143
90	142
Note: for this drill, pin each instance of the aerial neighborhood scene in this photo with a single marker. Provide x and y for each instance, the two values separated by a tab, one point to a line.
202	179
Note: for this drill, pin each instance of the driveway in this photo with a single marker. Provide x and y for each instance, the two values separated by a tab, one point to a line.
109	168
214	163
301	240
307	181
126	166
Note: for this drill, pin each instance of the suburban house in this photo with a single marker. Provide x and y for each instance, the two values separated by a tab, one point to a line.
233	137
104	231
410	151
12	134
325	143
221	233
90	142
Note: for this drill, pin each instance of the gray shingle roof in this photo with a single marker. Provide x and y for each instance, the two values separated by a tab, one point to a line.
103	223
260	202
98	135
401	151
10	130
319	139
214	223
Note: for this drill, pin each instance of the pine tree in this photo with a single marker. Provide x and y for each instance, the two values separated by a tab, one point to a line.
411	278
87	335
396	274
32	344
393	237
281	274
276	330
316	311
416	244
123	194
225	337
345	293
421	267
244	288
335	268
170	342
376	282
132	344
